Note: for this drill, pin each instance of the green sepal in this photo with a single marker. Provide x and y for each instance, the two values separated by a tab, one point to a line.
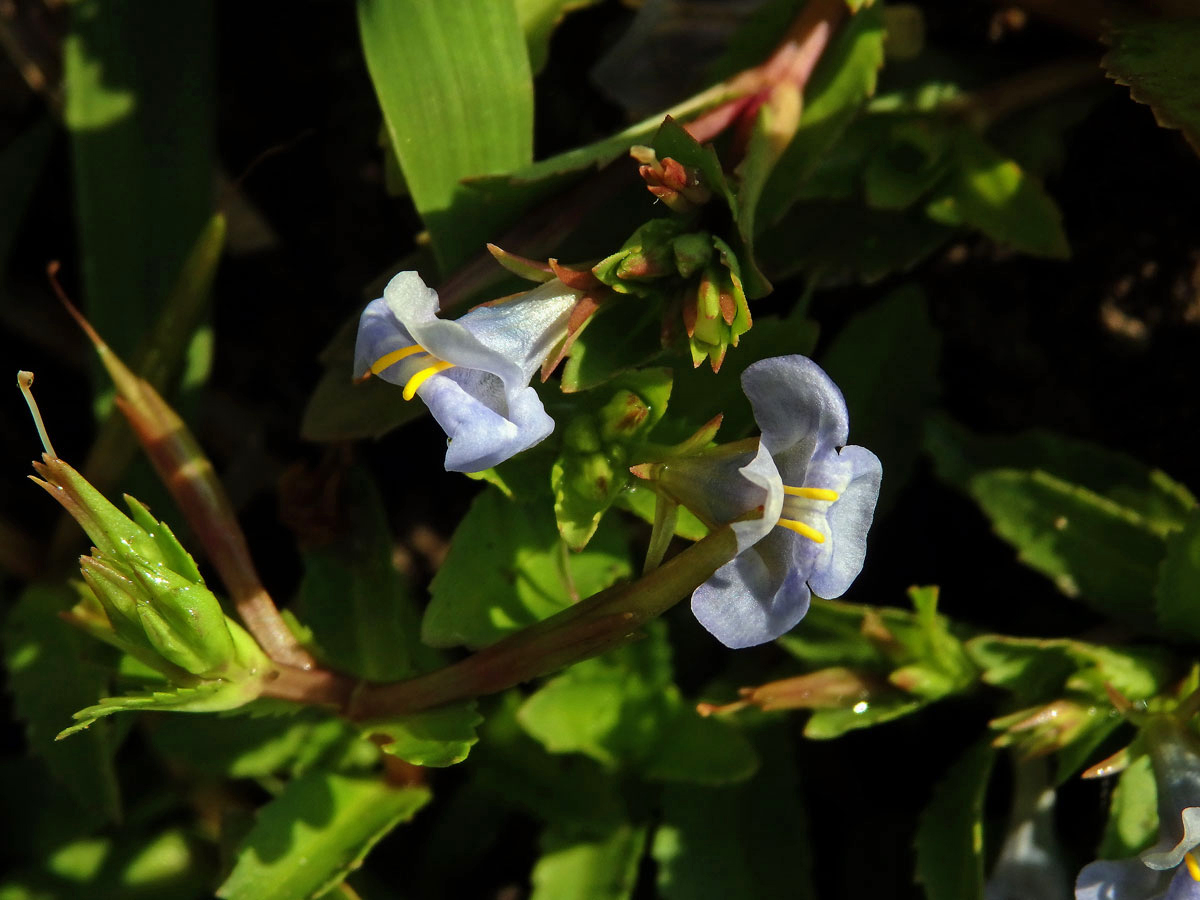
174	556
646	256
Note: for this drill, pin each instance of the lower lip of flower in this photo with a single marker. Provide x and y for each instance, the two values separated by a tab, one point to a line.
806	493
419	377
1193	866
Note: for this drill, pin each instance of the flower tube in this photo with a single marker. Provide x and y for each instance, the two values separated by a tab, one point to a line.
473	373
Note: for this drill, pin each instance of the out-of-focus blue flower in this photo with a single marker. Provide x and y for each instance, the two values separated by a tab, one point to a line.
473	373
1157	874
1030	866
816	496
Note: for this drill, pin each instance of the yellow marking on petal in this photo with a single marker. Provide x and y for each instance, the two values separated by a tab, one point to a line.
390	359
803	530
1193	867
410	389
811	493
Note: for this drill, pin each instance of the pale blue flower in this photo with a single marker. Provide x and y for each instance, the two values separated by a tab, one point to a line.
817	498
1156	874
473	373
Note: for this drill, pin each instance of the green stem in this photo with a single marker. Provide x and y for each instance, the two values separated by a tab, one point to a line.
601	622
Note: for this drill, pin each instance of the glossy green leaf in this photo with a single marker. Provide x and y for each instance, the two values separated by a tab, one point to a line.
508	567
572	867
1157	61
138	80
832	241
438	737
455	87
356	603
623	710
1132	813
1177	593
886	361
950	832
840	85
988	191
51	675
316	832
738	842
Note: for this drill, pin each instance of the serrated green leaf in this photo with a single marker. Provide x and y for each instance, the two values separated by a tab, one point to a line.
356	603
1157	61
1177	592
1029	667
207	696
949	841
1043	666
437	738
623	710
240	746
910	162
588	868
167	865
455	87
1088	545
840	85
959	455
748	840
1132	822
886	361
317	831
51	676
608	426
138	81
985	190
518	772
1101	538
508	567
826	724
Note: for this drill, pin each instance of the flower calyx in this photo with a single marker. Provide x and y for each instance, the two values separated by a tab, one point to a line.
679	187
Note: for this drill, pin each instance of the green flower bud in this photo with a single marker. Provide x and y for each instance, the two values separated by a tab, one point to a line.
149	588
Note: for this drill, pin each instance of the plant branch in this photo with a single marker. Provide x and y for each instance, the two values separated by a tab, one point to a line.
602	622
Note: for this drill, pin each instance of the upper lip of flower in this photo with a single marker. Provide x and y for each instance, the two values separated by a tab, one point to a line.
817	498
485	360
